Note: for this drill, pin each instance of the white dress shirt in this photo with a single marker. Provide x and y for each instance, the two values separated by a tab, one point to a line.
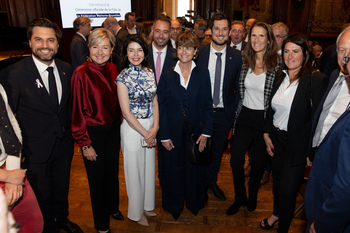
45	76
211	66
282	102
238	46
162	57
337	109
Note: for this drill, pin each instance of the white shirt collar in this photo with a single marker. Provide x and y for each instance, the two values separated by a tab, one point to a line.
178	70
41	66
81	35
155	50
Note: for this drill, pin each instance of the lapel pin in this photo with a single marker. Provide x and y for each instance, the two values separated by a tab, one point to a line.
38	84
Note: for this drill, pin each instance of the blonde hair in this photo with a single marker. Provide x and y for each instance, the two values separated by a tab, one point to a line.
99	34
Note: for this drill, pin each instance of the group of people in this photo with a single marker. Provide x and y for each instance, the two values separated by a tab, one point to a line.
125	92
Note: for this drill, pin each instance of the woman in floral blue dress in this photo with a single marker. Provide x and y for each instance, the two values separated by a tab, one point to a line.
137	98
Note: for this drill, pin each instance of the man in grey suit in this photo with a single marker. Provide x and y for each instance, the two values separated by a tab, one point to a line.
120	33
79	50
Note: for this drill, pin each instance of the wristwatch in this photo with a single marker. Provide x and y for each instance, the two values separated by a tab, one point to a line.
85	148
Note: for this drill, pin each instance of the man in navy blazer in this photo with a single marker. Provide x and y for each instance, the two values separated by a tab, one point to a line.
327	197
224	110
237	35
161	47
41	101
79	50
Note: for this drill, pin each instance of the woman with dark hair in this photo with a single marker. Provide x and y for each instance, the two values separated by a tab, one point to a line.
138	101
260	65
95	126
295	96
146	31
187	88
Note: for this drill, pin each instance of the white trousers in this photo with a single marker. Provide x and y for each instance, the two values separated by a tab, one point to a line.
139	170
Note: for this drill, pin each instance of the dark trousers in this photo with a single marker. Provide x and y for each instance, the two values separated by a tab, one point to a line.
50	183
103	173
221	129
286	180
182	181
248	136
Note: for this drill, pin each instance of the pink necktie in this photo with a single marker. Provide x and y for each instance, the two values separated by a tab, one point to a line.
158	67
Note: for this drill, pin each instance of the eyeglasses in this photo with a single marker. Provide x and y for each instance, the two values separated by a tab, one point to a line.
278	37
346	59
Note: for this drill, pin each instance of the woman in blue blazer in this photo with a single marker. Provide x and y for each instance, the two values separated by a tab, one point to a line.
184	87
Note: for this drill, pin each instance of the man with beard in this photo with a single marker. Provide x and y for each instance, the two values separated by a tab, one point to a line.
160	54
38	89
224	64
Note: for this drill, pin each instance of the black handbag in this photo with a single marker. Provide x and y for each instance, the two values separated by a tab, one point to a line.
196	157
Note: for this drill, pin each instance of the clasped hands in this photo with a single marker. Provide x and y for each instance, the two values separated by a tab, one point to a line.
14	185
150	138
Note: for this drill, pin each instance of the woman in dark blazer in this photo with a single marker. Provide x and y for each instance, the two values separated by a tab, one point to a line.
185	87
296	94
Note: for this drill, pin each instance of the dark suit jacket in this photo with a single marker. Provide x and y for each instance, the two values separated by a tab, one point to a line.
327	197
119	42
231	76
331	82
79	51
40	123
306	99
169	62
242	47
200	105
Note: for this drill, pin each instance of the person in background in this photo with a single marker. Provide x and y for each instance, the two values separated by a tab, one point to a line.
79	50
184	88
120	34
200	26
96	126
280	31
147	31
138	101
248	25
297	91
130	22
175	30
260	65
237	35
317	63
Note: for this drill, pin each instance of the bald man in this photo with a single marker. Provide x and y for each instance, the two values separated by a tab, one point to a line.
174	31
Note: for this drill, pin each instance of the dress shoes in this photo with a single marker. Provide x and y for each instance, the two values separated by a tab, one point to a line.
233	209
149	213
265	178
118	216
217	191
70	227
143	221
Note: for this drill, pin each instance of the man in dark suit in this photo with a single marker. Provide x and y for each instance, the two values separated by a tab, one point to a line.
160	51
38	89
224	89
79	50
237	35
327	197
120	33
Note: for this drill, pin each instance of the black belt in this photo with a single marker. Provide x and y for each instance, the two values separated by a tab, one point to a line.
218	109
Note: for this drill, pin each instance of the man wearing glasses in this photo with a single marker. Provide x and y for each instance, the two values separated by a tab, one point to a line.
280	31
237	35
327	197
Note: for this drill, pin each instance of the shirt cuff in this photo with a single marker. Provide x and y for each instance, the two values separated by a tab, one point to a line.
13	162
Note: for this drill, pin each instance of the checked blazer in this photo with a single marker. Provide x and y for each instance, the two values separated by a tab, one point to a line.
270	77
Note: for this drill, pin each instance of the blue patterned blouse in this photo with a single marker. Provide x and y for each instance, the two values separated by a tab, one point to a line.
142	88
